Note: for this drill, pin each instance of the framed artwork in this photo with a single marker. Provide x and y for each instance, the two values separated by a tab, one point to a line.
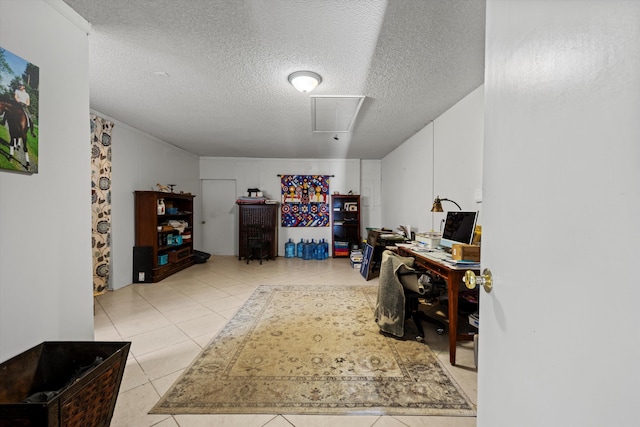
19	93
366	266
351	207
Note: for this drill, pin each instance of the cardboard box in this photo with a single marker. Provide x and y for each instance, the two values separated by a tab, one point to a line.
462	252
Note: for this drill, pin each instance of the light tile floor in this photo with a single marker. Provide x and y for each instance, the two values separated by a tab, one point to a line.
168	324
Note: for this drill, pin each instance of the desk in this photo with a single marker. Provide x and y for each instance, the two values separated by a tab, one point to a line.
453	275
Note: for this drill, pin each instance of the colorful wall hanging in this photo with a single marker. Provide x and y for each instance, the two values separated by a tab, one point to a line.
101	202
305	200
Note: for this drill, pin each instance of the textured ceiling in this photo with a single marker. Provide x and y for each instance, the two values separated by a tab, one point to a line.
227	62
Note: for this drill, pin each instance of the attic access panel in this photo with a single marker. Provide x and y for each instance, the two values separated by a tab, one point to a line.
334	113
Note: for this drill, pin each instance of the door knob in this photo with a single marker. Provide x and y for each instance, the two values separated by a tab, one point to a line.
486	280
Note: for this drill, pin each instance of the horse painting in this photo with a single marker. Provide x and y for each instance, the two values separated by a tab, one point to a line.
16	118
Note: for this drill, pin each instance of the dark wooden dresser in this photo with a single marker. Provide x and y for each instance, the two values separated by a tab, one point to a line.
265	215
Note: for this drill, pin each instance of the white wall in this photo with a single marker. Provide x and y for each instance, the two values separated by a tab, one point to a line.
459	138
263	174
46	290
419	170
139	162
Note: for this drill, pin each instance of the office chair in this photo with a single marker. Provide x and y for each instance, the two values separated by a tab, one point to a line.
413	300
256	244
399	295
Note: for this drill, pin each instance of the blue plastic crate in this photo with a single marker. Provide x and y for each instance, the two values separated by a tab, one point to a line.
163	259
174	239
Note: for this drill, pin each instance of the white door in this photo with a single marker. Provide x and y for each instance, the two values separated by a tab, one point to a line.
219	216
559	340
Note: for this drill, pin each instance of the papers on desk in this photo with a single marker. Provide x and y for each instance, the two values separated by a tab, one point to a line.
405	245
461	262
421	250
391	236
439	255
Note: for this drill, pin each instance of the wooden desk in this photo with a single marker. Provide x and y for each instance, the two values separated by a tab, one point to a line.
453	275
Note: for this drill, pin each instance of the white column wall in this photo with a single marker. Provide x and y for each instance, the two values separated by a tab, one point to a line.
46	290
370	181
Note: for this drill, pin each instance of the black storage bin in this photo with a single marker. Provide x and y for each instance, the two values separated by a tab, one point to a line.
68	383
200	257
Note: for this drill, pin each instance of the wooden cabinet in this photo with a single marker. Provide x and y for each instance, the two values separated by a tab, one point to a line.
345	223
168	234
265	215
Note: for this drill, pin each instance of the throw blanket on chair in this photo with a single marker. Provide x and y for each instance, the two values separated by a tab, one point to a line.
396	274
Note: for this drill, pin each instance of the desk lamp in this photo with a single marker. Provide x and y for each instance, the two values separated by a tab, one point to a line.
437	204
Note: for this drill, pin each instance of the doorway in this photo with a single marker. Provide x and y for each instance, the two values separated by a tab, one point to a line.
219	229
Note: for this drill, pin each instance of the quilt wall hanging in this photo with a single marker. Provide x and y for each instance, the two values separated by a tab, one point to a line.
305	200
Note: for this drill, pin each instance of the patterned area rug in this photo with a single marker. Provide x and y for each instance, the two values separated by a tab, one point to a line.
313	350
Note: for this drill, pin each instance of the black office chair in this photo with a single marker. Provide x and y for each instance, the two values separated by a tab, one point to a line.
256	243
399	297
413	301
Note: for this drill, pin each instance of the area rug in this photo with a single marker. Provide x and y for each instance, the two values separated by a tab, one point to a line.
313	350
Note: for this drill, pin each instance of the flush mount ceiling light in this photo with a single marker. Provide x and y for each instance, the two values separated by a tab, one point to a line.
305	81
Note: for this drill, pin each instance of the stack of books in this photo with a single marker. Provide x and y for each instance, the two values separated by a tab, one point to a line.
341	248
356	258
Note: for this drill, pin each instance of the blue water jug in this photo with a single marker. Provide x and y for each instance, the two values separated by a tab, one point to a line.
307	251
315	247
299	248
289	249
325	249
317	251
320	250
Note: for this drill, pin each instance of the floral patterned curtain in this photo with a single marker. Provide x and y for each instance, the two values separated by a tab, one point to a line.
101	201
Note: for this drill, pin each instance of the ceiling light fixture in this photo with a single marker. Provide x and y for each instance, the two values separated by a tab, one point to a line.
305	81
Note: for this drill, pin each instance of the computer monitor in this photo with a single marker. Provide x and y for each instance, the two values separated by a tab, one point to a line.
458	228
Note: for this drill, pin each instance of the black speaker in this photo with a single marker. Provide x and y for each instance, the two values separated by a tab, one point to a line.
142	264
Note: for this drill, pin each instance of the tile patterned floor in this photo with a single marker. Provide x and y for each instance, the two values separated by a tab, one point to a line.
168	324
